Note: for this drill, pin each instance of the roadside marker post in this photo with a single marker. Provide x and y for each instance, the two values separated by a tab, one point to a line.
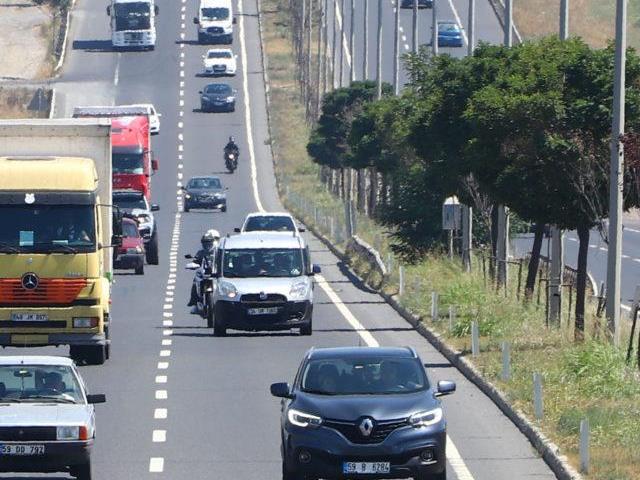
538	403
584	446
452	317
475	339
401	281
435	315
506	361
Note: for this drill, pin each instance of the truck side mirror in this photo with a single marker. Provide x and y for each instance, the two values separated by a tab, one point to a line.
196	21
154	164
116	240
109	10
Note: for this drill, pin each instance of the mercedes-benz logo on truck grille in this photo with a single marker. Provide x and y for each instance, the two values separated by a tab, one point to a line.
30	281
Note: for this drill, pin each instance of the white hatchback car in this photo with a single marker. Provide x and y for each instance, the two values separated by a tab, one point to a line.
154	117
281	222
220	61
48	421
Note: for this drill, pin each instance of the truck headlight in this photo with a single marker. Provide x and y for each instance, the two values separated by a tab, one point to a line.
424	419
85	322
302	419
228	290
299	290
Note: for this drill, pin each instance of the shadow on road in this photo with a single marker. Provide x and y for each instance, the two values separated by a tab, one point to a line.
365	302
93	45
381	329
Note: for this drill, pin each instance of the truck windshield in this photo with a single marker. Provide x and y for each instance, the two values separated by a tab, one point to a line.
47	229
128	163
133	16
215	13
263	262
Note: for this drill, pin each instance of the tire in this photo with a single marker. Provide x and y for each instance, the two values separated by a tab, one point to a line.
219	329
223	209
140	269
186	207
96	355
152	248
306	329
82	472
107	347
200	38
290	475
209	311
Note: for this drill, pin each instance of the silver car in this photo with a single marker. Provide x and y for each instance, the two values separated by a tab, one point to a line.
263	281
48	421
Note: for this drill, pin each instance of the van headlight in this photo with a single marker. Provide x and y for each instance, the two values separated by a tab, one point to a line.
228	290
424	419
299	290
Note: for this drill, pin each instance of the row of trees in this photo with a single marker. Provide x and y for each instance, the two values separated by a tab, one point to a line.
527	127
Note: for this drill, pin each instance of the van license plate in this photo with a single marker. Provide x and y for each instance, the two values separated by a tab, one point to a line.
22	450
366	467
29	317
263	311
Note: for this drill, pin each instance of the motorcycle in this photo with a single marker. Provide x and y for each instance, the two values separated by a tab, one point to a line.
231	161
203	281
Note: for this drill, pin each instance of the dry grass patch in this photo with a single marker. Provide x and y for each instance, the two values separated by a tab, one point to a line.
24	103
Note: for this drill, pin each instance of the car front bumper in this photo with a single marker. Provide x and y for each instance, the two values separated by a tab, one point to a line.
58	457
329	450
290	315
449	42
218	106
213	203
129	260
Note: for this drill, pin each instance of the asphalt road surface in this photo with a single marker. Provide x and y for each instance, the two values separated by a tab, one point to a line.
182	404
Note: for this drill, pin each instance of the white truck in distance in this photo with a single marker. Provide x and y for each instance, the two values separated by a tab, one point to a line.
133	23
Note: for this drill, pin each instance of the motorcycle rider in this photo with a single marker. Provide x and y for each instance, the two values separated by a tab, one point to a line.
231	147
209	242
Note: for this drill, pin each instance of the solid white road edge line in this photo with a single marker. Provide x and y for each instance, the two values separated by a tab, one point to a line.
453	456
247	110
459	22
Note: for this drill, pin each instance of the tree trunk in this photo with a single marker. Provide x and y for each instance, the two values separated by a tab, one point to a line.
534	261
581	282
373	192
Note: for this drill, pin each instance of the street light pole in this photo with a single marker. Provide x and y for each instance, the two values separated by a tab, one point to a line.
325	46
434	28
365	57
616	176
564	19
471	28
508	24
414	45
341	42
379	52
352	39
319	59
333	45
396	51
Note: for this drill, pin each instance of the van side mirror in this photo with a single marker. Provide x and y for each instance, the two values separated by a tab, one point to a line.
196	21
445	387
155	207
156	9
235	20
315	269
109	10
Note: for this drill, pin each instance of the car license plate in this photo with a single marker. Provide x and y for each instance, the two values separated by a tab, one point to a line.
29	317
29	339
263	311
22	450
366	467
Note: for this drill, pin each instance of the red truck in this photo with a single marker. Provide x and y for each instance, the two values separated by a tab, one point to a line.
132	160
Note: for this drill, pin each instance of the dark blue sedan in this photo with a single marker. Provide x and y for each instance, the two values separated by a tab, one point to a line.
449	35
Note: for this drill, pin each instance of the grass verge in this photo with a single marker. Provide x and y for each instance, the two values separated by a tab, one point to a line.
580	381
18	102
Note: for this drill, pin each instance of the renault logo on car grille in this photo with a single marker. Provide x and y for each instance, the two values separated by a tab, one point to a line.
366	427
30	281
263	296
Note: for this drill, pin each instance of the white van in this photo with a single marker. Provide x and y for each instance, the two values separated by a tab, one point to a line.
215	21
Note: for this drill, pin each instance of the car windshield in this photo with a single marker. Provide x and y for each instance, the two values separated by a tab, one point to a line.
39	383
47	228
364	376
128	163
130	229
263	262
218	88
219	54
213	183
269	223
130	202
448	28
132	16
215	13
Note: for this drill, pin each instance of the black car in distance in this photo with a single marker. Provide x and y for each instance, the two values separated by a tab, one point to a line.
205	192
218	97
362	412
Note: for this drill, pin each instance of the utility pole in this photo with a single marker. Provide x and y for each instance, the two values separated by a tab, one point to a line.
564	19
379	52
302	64
616	176
319	60
352	39
396	51
325	47
341	84
557	235
307	99
434	28
333	45
365	57
471	28
414	45
508	23
467	236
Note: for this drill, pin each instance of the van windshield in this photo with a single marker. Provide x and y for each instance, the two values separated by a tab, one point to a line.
132	16
215	13
263	262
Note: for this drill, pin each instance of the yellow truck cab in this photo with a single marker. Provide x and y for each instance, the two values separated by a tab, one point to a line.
56	235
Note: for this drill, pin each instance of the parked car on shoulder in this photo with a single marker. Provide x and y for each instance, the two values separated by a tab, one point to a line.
363	412
48	420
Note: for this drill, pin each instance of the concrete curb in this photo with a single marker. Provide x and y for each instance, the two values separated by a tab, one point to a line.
548	450
58	67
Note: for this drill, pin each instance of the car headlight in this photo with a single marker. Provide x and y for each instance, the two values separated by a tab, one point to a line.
299	290
228	290
143	218
68	433
424	419
186	195
301	419
231	99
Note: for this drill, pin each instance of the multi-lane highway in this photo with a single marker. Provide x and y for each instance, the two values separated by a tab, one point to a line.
182	404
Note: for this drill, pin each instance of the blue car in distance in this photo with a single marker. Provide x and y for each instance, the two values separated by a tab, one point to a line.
421	4
449	34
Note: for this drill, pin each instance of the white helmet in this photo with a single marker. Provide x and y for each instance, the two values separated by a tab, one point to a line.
212	234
